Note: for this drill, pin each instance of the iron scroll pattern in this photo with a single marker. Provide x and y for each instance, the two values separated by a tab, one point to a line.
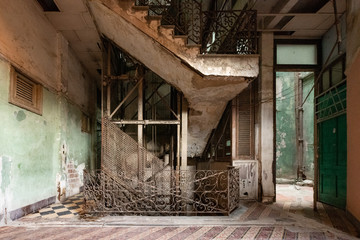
229	32
217	32
169	192
184	15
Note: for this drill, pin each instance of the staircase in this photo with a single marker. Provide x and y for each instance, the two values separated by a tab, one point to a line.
126	184
208	81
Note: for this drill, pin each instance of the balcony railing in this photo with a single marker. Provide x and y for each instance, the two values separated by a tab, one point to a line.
217	32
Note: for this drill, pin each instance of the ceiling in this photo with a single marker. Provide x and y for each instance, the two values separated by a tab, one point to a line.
286	18
74	21
297	18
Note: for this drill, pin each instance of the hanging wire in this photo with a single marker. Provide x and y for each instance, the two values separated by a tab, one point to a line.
337	43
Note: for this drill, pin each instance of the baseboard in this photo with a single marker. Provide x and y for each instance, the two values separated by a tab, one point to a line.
354	221
20	212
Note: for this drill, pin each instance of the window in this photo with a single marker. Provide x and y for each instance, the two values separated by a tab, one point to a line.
333	74
296	54
25	93
85	123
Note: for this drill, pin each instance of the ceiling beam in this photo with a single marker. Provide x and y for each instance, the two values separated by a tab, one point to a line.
280	7
295	14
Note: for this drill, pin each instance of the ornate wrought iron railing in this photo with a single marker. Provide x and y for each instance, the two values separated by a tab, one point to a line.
169	192
220	32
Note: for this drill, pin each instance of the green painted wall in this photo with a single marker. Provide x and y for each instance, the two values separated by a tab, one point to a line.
286	163
285	126
32	158
308	107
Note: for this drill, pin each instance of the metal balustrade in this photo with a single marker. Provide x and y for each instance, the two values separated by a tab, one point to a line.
217	32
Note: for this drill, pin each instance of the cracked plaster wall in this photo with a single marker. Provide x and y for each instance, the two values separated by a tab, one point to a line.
32	161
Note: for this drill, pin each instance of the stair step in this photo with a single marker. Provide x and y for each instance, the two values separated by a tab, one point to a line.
157	17
141	8
193	45
168	26
167	32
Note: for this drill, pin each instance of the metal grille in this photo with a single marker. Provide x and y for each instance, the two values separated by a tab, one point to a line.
168	192
331	103
121	153
134	181
25	89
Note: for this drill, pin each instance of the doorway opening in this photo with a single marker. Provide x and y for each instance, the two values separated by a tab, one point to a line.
295	137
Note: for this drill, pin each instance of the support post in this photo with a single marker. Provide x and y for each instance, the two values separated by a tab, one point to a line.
184	133
140	118
108	83
299	126
178	132
233	129
267	137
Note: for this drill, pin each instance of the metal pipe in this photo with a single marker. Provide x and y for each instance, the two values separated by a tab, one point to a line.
147	122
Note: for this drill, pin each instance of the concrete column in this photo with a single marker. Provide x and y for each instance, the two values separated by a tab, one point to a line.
184	133
233	130
267	117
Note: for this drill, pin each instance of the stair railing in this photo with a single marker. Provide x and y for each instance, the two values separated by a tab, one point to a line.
218	32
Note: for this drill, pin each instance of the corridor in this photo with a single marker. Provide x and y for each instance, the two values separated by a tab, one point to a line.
291	217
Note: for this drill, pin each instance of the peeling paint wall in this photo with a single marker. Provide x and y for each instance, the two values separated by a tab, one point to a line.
40	156
285	126
286	149
308	134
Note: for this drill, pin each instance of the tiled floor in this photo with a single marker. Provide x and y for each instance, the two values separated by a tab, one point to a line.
291	217
68	209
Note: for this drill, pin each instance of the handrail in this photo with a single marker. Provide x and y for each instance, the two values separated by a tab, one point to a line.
218	32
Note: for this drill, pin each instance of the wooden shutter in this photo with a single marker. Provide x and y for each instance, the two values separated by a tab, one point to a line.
245	123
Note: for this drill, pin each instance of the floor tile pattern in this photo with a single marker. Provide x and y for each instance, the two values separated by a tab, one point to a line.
252	232
282	220
67	209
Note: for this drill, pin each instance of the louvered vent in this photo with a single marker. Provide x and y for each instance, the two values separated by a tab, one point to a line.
24	90
25	93
244	104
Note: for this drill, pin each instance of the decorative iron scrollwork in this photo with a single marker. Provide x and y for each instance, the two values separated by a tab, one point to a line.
220	32
168	192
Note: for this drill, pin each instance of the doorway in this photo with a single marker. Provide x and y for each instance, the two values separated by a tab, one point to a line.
294	128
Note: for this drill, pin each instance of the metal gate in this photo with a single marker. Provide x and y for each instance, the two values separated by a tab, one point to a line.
331	124
132	180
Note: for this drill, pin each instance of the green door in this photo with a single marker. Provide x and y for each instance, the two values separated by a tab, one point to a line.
332	161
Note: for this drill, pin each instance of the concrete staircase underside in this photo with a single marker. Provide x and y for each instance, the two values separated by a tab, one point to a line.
208	82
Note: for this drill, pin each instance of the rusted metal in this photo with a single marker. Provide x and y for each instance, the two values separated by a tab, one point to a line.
198	192
220	32
132	183
147	122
